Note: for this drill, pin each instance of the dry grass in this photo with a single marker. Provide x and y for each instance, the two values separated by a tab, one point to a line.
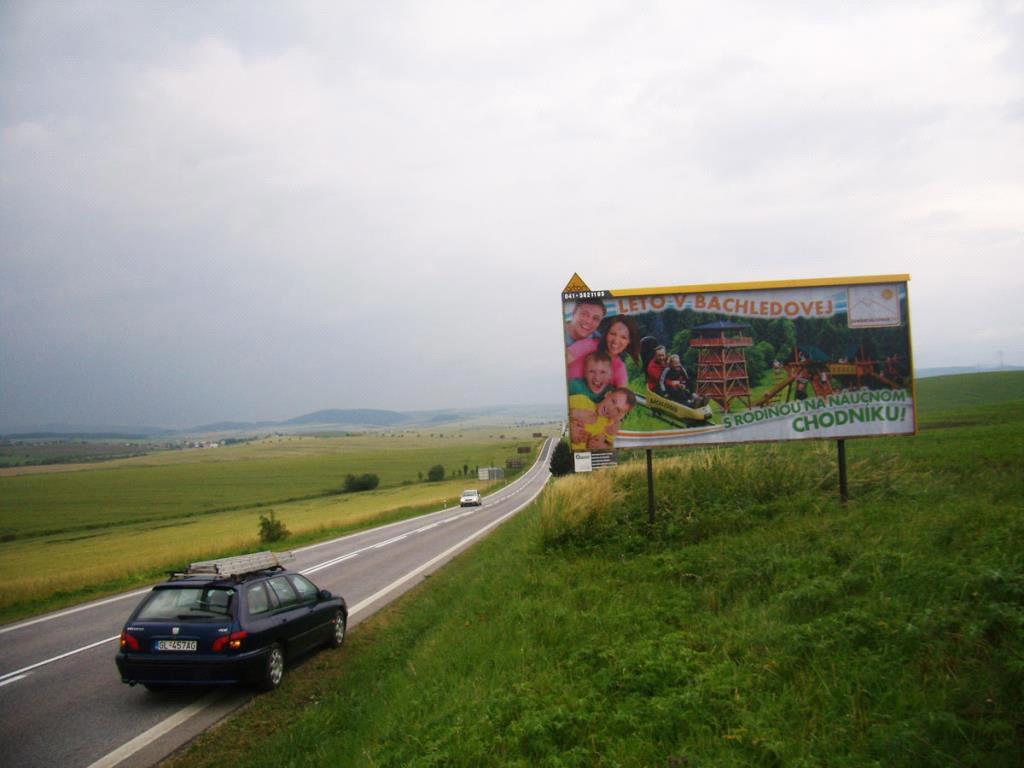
578	502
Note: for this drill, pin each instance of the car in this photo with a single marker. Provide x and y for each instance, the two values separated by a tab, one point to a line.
470	498
237	620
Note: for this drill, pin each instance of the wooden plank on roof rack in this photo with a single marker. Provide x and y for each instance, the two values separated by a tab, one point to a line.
239	564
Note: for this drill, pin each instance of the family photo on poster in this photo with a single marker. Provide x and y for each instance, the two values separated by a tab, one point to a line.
738	363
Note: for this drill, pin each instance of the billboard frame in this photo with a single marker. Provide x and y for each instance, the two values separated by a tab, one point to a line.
876	311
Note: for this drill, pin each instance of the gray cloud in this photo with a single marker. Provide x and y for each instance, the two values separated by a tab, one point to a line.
249	211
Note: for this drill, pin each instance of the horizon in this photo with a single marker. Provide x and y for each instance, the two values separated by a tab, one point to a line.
214	212
58	429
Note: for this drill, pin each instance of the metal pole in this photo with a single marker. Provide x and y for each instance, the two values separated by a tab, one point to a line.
844	491
650	488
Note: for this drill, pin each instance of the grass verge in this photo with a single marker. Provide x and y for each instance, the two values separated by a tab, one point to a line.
758	622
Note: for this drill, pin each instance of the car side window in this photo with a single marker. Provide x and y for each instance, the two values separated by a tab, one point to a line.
284	591
306	590
257	598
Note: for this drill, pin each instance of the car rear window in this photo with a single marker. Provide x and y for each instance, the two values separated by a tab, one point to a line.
187	604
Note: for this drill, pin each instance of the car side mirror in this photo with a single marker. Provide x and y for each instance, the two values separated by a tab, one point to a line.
325	594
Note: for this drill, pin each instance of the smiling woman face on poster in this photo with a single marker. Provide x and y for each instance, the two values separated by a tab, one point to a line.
617	336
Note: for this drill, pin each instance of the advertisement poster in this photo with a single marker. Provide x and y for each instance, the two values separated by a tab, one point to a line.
737	363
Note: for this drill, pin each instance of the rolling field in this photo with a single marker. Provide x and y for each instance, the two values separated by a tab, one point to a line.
20	453
759	622
179	484
124	522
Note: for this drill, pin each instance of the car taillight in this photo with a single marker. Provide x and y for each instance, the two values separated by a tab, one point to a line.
232	641
129	642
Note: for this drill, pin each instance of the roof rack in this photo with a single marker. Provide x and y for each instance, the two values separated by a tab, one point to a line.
240	564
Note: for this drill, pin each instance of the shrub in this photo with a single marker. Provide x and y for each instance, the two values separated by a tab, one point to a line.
272	529
561	459
365	482
435	473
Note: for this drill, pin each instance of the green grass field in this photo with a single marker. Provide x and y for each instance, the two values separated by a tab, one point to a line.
174	484
17	453
759	622
121	523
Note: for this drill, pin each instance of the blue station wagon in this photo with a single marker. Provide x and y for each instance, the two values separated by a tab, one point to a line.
235	620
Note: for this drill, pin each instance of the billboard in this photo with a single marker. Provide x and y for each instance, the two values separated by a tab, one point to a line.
737	363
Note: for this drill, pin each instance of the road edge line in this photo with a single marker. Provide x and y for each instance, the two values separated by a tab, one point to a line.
146	738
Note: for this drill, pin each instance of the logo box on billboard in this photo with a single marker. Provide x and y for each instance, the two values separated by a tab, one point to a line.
736	363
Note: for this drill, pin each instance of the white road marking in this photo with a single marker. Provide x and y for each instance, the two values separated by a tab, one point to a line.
433	561
70	611
29	668
329	563
146	738
12	680
379	545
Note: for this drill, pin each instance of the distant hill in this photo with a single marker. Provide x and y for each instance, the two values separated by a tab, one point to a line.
86	432
353	419
938	389
926	373
231	426
367	417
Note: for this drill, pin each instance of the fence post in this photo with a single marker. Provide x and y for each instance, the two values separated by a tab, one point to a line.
650	488
844	491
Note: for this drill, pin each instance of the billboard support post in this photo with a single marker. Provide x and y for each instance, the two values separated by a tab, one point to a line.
844	491
650	488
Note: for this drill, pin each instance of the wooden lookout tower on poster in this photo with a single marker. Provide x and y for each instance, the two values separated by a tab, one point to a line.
722	362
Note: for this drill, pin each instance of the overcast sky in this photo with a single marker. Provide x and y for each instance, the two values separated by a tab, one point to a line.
253	210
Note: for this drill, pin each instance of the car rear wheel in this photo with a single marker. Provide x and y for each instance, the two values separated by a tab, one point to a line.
338	630
273	669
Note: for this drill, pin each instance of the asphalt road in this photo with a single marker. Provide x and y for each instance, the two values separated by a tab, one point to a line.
62	702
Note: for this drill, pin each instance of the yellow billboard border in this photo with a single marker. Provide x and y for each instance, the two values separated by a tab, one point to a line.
761	285
577	285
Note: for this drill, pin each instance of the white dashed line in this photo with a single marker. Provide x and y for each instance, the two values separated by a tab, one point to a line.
5	677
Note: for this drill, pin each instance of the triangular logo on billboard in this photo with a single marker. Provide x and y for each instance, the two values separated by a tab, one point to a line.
575	284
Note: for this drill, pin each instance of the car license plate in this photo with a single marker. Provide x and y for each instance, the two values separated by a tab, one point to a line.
175	645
